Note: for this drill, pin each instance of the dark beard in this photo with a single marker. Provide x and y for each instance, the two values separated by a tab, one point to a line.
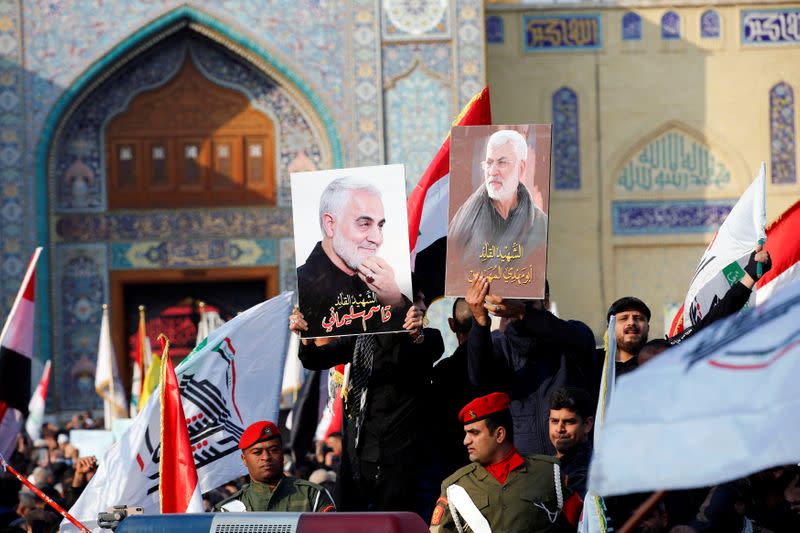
632	347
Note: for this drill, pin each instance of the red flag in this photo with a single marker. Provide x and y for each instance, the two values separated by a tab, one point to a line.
783	245
179	490
476	112
16	349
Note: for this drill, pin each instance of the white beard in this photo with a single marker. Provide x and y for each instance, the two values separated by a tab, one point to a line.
349	252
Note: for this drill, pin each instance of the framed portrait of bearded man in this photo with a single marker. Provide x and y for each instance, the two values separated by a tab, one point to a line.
351	250
498	209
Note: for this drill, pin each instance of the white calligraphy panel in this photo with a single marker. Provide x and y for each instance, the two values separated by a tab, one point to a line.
673	162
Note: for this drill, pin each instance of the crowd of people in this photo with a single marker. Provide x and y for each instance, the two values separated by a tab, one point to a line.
497	435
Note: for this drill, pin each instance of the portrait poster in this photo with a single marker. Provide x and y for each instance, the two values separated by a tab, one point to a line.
351	250
498	209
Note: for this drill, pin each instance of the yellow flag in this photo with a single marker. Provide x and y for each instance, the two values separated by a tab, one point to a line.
151	379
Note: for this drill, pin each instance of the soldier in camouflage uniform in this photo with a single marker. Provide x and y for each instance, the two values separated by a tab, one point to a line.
269	489
500	491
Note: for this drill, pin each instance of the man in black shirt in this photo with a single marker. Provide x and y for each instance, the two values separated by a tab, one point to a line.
344	287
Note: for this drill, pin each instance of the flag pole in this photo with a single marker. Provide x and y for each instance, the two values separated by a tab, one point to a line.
642	511
49	501
111	384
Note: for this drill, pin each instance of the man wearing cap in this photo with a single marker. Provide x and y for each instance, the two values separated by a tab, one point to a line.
269	489
500	490
631	330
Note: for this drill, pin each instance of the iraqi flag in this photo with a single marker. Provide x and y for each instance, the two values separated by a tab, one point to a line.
179	490
16	349
427	204
33	425
724	260
229	381
783	245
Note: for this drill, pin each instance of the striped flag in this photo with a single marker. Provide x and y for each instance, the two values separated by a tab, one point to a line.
33	425
16	350
427	204
179	490
142	358
784	250
723	262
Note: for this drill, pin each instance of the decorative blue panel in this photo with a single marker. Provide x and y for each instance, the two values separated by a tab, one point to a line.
685	216
781	131
254	222
543	33
494	30
710	25
193	254
81	281
771	26
670	26
566	141
631	27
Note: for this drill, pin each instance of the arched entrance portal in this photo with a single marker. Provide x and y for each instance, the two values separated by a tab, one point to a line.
169	167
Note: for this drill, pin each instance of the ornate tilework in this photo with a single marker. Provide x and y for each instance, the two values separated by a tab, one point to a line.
548	33
80	164
771	26
417	120
415	19
192	254
13	201
368	109
253	222
566	139
495	33
631	27
674	161
710	25
670	26
399	59
287	267
782	134
689	216
82	289
469	48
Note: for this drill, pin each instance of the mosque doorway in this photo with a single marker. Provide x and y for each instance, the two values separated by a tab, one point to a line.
172	301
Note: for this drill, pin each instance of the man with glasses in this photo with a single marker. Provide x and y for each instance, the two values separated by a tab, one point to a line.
501	212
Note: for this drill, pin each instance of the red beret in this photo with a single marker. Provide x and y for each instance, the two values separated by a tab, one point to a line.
480	408
258	432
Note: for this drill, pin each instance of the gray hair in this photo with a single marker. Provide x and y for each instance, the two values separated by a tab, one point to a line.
337	193
518	142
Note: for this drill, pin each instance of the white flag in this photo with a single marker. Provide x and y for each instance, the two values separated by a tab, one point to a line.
593	517
106	379
724	260
209	321
228	382
33	425
704	412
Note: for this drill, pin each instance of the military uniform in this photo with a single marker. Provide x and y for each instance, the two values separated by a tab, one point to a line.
290	495
529	500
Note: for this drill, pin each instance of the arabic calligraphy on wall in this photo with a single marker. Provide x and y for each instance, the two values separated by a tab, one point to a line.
673	161
193	254
771	26
562	32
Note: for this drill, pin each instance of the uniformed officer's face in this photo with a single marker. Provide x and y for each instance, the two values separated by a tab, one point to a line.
482	445
568	429
264	461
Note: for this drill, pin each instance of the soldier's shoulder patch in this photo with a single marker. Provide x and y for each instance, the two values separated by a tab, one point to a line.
438	511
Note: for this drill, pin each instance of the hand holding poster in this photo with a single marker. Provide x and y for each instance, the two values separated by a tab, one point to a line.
351	248
499	192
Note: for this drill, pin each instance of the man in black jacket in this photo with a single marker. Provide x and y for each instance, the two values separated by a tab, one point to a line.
535	354
387	424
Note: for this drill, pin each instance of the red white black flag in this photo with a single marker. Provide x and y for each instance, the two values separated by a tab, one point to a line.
16	349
